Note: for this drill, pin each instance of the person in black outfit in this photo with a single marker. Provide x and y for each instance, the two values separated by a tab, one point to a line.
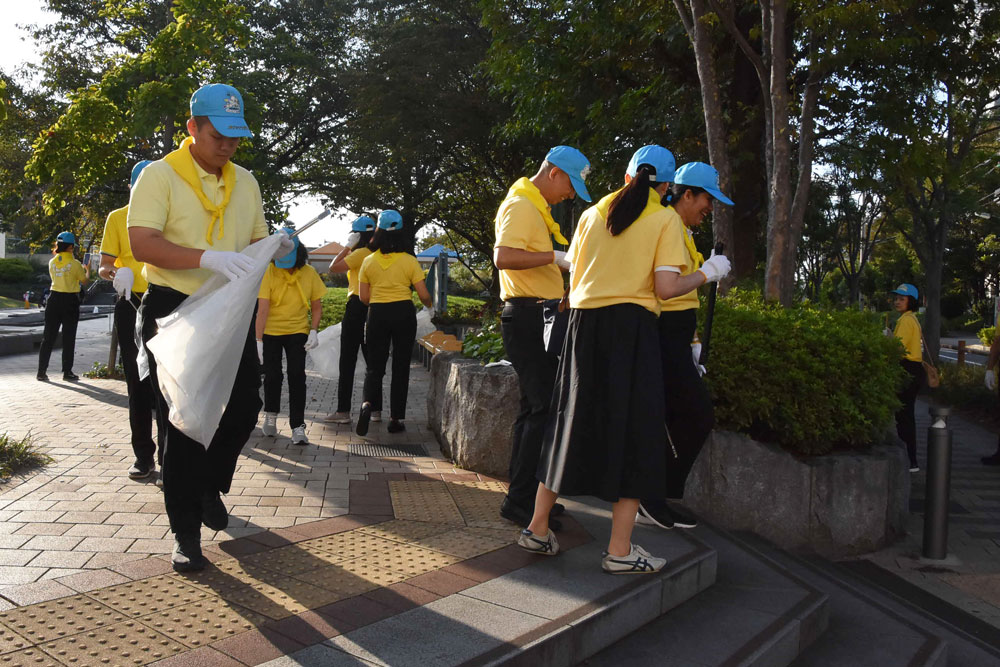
62	308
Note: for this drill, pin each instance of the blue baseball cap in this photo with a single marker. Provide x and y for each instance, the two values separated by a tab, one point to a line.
657	157
390	220
224	107
137	169
288	261
66	237
906	289
362	224
704	176
576	166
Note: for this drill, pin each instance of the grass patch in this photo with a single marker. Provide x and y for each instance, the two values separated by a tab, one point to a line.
17	455
7	302
102	372
460	308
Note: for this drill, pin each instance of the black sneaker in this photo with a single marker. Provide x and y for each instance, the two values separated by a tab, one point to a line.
682	517
187	556
522	517
140	469
363	419
658	516
395	426
213	511
42	377
71	377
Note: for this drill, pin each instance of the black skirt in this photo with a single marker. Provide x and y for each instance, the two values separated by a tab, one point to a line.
606	434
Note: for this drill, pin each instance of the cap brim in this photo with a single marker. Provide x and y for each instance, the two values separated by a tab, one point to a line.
718	195
230	126
579	186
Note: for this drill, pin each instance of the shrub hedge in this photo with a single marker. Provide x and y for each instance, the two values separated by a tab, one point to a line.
15	270
461	310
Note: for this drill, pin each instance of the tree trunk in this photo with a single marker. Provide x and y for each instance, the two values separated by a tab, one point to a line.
777	277
168	134
934	269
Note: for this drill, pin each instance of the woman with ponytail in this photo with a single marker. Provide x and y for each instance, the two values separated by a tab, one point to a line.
606	437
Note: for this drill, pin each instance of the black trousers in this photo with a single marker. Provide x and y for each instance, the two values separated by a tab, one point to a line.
188	469
293	346
352	338
140	392
522	328
906	421
393	324
61	310
689	412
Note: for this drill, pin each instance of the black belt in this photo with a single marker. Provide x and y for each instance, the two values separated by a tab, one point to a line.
526	301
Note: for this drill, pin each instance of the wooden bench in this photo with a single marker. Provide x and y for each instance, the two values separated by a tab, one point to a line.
434	342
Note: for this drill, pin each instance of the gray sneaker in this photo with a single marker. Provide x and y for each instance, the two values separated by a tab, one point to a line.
638	561
547	547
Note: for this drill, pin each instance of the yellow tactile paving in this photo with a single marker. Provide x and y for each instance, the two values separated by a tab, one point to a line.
203	622
479	502
424	501
351	544
139	598
294	559
401	530
354	577
29	657
413	560
461	543
11	641
128	643
59	618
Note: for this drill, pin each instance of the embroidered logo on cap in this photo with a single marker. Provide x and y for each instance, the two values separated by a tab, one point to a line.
232	104
584	173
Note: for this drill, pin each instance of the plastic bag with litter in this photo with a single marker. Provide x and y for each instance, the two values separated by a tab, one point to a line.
326	356
198	346
424	325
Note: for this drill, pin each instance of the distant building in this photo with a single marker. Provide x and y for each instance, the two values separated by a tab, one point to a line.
427	257
321	257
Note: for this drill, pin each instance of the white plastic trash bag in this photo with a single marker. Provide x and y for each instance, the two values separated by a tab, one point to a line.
198	346
424	325
326	355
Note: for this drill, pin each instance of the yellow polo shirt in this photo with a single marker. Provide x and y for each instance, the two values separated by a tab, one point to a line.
684	301
162	200
520	225
609	270
354	262
908	331
115	244
392	283
291	293
66	273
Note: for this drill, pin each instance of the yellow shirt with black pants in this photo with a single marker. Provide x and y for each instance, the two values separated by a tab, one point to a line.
164	199
62	309
522	223
115	244
909	333
607	438
290	295
392	321
352	334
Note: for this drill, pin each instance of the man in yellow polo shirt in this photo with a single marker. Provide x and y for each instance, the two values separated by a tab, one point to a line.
530	276
121	267
190	214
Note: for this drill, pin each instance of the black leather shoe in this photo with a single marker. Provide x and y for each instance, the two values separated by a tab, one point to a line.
187	556
42	377
363	419
522	517
213	511
71	377
395	426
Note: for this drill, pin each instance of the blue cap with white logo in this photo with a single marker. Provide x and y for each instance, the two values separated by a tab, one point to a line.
906	289
390	220
659	158
704	176
288	261
224	107
576	166
137	169
66	237
362	224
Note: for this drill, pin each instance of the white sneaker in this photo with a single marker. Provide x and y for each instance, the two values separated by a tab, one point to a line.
376	416
529	542
270	425
299	436
338	418
638	561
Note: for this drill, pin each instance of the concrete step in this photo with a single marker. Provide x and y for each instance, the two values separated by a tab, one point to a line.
756	614
554	612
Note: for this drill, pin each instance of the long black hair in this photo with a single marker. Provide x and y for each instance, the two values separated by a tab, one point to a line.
62	246
390	240
630	202
301	256
365	240
677	191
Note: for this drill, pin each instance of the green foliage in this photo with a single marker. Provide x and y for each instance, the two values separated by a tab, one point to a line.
15	270
101	371
486	345
462	310
987	335
963	387
807	379
334	302
17	455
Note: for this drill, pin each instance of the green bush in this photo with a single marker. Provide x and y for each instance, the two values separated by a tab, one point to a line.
486	345
963	387
15	270
987	334
334	302
809	380
461	310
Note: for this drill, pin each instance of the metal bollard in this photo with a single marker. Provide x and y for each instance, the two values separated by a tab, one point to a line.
961	353
938	489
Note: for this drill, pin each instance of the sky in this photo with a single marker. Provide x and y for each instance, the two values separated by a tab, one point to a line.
17	48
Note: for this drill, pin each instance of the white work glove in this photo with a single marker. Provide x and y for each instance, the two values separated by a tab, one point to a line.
123	281
715	268
313	341
887	332
287	244
353	238
991	380
431	312
696	357
260	351
560	259
230	264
